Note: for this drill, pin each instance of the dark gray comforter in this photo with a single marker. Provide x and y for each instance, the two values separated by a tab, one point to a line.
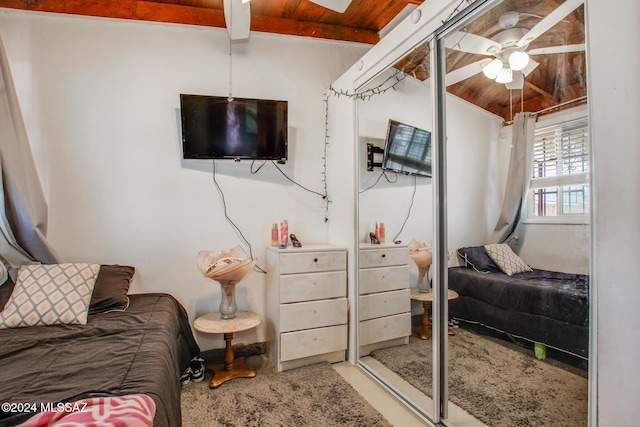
141	350
542	306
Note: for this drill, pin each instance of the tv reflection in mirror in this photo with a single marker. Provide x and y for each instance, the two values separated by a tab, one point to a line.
407	149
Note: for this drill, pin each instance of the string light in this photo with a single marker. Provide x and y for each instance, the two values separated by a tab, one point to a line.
324	157
415	62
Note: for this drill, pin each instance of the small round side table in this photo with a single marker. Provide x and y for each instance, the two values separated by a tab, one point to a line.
232	368
424	331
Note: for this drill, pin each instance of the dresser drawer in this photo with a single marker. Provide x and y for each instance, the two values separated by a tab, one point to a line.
295	345
372	280
383	257
384	304
385	328
314	314
313	286
309	262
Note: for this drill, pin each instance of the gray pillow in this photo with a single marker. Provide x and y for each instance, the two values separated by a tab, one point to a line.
111	291
476	257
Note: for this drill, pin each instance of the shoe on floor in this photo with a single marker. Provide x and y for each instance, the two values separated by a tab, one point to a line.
185	378
197	369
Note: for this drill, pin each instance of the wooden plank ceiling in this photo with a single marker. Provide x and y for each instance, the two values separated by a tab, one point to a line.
559	78
359	23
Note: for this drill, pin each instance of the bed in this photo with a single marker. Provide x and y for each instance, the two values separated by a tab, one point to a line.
139	349
541	306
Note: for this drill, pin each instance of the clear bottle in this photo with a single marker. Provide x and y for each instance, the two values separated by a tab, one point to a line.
381	232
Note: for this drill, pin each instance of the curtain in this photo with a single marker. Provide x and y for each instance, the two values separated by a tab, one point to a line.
520	169
23	209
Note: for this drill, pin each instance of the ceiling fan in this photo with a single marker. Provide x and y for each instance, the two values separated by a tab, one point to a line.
238	15
511	61
336	5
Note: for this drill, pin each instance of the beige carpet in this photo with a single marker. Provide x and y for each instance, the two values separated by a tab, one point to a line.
499	384
315	395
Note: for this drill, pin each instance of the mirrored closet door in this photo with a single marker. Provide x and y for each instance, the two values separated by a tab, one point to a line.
518	191
503	345
395	225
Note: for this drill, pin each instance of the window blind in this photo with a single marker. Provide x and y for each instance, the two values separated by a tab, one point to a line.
561	154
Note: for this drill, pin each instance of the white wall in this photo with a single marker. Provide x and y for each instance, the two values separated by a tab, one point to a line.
101	104
557	247
473	200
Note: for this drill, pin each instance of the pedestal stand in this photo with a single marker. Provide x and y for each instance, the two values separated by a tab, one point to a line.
424	331
232	368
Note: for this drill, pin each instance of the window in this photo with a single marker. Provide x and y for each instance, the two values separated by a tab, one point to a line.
559	185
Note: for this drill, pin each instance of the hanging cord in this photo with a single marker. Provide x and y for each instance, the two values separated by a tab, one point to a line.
511	104
253	172
299	185
224	206
413	196
230	56
383	173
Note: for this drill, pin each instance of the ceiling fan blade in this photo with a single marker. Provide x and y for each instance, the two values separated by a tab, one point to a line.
471	43
557	49
237	15
549	21
336	5
463	73
517	81
532	65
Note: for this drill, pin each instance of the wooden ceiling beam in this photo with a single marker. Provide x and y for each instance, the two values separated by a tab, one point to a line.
131	9
486	103
269	24
190	15
171	13
97	8
539	90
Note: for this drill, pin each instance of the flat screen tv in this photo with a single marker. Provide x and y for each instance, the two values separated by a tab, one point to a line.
216	127
407	149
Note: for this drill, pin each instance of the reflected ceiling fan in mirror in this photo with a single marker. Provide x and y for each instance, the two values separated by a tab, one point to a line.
512	60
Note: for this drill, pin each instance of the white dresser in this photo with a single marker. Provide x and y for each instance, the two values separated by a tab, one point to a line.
384	297
306	305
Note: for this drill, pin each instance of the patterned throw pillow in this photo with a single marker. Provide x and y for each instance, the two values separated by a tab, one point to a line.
49	294
506	259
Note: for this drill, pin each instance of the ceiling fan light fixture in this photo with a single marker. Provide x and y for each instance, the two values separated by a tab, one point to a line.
505	75
492	69
518	60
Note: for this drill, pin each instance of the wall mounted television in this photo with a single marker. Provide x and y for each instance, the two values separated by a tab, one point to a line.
216	127
407	149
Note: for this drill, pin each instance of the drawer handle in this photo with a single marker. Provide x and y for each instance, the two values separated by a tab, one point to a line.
384	255
315	260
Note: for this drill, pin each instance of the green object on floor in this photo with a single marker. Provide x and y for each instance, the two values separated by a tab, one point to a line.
540	350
